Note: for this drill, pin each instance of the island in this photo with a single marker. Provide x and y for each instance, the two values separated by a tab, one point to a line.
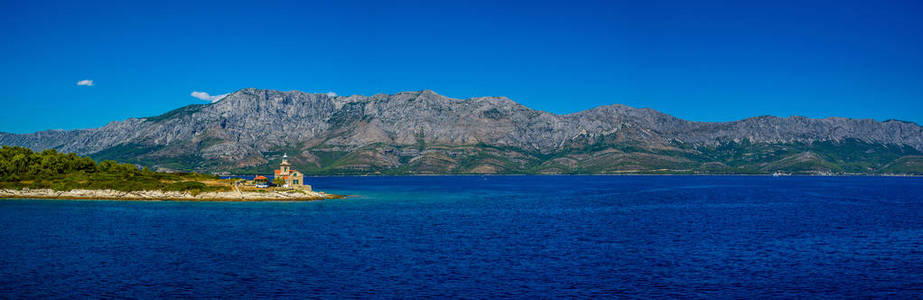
53	175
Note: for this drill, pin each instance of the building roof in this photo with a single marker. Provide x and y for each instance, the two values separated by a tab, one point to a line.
261	177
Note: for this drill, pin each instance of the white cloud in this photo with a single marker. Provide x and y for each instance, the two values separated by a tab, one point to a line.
85	82
205	96
331	94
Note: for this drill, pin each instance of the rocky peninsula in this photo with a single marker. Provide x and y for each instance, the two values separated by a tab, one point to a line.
53	175
269	195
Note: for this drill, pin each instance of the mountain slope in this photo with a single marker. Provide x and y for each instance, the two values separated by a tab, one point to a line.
423	132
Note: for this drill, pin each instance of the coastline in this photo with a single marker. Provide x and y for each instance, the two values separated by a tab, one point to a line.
79	194
611	174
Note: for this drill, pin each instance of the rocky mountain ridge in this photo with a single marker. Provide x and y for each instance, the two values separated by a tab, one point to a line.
424	132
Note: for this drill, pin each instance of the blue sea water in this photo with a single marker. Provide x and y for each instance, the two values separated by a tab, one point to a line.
484	237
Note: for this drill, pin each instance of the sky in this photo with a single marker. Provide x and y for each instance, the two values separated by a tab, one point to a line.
83	64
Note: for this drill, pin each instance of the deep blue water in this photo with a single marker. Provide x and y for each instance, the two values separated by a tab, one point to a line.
479	237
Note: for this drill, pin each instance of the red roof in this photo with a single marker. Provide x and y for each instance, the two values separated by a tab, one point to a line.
260	178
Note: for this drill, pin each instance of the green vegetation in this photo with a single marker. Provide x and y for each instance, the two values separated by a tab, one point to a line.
145	155
22	168
611	154
185	110
278	181
209	141
847	156
905	165
127	153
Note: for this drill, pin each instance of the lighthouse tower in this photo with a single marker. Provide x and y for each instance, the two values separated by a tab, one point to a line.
285	166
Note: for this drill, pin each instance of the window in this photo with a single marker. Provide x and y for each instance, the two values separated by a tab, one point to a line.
295	181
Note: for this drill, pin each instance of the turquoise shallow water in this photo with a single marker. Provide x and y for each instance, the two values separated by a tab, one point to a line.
484	236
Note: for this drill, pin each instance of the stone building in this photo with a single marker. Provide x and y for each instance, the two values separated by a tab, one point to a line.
292	177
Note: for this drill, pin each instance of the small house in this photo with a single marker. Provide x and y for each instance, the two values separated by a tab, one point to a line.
261	181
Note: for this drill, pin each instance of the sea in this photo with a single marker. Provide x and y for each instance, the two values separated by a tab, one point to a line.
484	237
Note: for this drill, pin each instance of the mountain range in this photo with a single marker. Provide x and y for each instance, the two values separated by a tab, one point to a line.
423	132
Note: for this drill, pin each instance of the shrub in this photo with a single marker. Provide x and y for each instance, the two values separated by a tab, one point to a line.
22	168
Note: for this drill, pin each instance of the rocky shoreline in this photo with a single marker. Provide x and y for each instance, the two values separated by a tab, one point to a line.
288	195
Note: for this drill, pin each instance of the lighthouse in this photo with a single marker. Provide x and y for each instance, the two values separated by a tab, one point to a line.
292	177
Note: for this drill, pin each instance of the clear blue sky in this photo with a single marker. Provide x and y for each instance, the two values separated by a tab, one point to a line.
697	60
